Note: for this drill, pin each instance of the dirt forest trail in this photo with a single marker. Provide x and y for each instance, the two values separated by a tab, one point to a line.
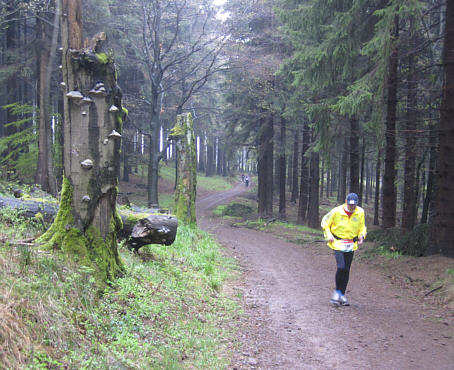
289	323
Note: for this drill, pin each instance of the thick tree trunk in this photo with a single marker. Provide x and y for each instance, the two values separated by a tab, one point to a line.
185	194
12	63
377	188
354	155
225	163
389	179
295	166
442	235
328	182
265	167
45	175
153	150
202	154
304	181
87	221
219	157
270	167
430	180
42	177
282	170
209	170
409	203
361	179
313	206
342	187
419	182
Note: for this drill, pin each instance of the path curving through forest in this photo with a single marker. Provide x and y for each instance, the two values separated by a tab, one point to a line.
289	323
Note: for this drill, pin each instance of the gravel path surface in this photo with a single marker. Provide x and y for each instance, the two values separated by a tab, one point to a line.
289	323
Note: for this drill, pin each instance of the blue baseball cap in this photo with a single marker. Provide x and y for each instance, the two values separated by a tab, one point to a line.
352	198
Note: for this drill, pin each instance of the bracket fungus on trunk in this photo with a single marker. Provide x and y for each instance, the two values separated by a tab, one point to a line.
87	164
76	95
114	134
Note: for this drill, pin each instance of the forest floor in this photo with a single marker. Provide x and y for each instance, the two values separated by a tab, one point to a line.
401	314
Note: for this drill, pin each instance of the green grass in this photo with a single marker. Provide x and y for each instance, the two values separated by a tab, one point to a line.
167	201
168	311
214	183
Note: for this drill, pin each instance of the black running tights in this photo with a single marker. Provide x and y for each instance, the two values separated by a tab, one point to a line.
343	261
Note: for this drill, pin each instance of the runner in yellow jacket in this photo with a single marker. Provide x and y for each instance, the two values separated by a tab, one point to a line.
344	228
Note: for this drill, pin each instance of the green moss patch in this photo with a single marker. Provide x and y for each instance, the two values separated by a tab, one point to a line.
88	248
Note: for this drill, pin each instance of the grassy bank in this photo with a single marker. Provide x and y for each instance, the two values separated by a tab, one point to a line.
168	311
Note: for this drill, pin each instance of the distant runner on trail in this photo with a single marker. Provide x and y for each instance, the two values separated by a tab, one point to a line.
246	180
344	228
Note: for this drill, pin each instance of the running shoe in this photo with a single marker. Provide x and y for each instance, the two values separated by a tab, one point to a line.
344	301
335	299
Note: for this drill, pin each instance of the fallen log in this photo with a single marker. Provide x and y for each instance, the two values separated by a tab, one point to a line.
154	229
31	208
140	226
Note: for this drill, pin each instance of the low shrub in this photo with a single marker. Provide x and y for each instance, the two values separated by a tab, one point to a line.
237	210
413	243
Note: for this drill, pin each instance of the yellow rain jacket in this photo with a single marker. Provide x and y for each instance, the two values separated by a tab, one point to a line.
345	230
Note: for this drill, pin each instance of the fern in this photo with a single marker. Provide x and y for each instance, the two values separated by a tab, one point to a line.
19	149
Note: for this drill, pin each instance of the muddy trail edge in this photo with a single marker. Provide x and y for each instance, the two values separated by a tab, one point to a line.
290	324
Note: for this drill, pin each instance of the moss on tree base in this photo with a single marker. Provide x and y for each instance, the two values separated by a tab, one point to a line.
86	247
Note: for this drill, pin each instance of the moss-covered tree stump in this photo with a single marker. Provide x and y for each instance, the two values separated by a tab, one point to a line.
86	224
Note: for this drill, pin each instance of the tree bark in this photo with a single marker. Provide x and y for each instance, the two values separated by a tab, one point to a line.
87	221
313	206
442	235
282	170
202	154
209	170
186	190
11	82
430	179
155	229
361	179
219	157
342	187
389	179
45	175
328	182
354	155
377	188
265	166
409	203
304	181
295	169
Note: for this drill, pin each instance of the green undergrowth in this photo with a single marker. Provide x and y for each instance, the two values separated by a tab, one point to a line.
393	242
168	311
214	183
234	210
292	233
